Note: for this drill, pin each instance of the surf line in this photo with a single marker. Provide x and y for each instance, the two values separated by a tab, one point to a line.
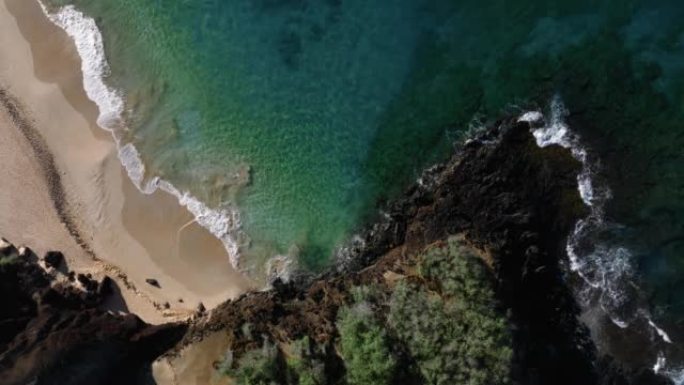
605	268
224	223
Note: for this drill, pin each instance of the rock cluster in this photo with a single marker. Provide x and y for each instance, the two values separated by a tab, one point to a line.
52	331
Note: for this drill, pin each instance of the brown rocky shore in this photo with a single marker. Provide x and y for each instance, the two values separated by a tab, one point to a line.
502	197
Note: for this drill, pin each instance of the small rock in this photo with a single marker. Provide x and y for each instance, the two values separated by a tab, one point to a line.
180	300
53	259
26	252
104	289
200	308
7	249
82	279
167	305
88	284
152	282
72	276
4	243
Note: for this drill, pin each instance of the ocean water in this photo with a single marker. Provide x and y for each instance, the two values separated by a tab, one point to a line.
292	121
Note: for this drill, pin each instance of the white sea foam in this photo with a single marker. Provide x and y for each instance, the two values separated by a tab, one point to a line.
605	268
676	375
130	159
83	30
660	367
531	117
660	331
223	223
660	363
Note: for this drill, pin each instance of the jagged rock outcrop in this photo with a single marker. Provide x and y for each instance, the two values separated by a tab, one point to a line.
53	332
513	201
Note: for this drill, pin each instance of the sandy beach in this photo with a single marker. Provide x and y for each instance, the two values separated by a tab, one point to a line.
63	187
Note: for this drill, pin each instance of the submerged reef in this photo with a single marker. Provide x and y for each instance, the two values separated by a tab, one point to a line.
460	282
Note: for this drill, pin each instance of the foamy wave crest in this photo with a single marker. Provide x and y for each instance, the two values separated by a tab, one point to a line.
223	223
605	268
130	159
676	375
88	39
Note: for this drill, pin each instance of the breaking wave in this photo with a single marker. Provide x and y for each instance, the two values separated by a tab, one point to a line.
223	223
605	268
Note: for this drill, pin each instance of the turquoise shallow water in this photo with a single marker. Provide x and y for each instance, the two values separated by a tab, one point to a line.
307	114
298	96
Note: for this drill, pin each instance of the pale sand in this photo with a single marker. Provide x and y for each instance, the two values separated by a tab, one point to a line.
137	233
194	364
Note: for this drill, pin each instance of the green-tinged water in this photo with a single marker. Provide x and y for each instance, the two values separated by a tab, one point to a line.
306	114
296	96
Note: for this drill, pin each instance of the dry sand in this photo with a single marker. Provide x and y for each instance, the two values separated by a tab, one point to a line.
99	214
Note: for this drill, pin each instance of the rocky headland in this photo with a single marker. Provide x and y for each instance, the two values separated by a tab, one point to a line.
482	234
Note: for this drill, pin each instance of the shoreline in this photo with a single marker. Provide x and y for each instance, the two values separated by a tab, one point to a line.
119	230
223	223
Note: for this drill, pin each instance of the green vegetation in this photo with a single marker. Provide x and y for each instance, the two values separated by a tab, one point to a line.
256	367
364	347
439	326
269	365
305	364
453	331
9	260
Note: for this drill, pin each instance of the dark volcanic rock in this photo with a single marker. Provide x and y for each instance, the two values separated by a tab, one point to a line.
89	284
104	288
507	197
54	334
153	282
200	308
53	259
511	199
7	250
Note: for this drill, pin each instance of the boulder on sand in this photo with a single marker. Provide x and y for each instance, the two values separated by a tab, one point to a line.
53	259
7	250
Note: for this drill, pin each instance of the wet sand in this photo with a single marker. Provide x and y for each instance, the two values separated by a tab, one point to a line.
194	364
102	222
